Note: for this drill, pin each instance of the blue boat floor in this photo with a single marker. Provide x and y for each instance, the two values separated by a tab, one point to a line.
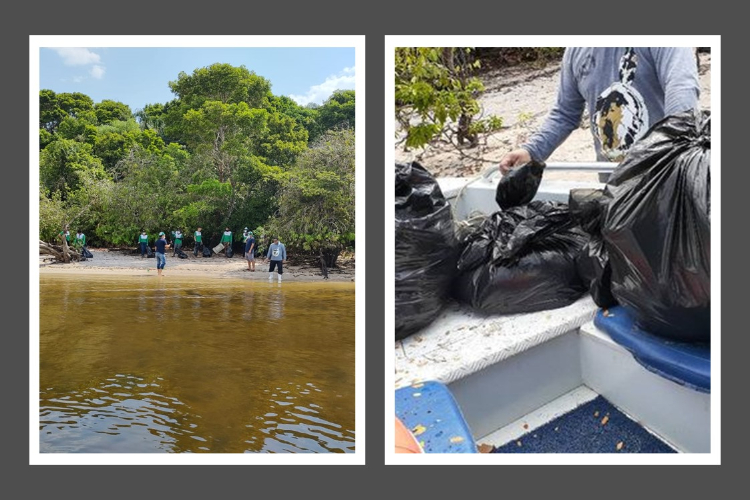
594	427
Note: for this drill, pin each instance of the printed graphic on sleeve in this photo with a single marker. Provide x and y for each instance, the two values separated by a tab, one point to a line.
621	115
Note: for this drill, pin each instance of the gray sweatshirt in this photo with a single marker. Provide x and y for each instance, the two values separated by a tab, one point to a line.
276	251
626	90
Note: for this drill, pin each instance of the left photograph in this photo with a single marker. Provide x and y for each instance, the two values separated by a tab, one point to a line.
196	253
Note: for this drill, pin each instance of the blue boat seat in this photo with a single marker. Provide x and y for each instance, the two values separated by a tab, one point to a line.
688	364
429	410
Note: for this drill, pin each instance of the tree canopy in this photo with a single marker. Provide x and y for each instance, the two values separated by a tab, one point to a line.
436	93
224	152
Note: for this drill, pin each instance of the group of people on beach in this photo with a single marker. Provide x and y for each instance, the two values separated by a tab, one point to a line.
276	253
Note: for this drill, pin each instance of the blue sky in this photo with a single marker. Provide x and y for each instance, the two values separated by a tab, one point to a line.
140	75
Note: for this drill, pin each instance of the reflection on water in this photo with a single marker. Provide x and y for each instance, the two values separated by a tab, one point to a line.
142	364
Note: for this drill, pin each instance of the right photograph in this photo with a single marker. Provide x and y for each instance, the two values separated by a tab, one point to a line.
553	250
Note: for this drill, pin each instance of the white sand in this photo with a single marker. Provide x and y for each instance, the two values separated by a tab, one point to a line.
218	266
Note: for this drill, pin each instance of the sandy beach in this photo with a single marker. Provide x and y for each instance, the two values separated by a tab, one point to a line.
130	263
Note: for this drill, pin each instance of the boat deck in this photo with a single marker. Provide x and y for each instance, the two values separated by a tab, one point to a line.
461	342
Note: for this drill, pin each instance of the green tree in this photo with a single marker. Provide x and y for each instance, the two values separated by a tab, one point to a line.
50	113
52	215
64	164
80	209
81	128
337	111
223	138
149	197
224	133
115	140
109	111
316	203
436	96
305	116
152	117
53	108
224	83
281	141
44	138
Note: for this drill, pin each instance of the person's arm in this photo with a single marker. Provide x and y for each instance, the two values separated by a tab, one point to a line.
677	71
564	117
283	253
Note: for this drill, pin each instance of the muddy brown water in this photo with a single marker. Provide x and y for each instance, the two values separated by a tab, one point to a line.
147	364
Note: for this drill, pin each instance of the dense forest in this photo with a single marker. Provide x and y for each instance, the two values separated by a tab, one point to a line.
225	152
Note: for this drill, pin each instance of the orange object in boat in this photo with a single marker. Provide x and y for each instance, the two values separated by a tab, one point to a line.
405	440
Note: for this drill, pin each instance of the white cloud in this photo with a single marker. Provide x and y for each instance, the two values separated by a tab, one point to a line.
319	93
97	71
77	56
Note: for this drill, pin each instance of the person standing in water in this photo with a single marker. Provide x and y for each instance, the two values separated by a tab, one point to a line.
161	253
277	256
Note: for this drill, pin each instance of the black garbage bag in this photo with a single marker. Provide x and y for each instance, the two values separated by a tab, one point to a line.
658	228
207	251
520	260
230	252
85	252
149	251
181	254
426	249
519	186
587	207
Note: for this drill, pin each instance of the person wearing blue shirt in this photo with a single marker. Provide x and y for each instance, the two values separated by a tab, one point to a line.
277	255
161	253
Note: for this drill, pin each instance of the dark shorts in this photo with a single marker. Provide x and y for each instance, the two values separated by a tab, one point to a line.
273	265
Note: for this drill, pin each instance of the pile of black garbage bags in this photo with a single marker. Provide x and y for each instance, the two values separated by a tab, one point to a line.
642	242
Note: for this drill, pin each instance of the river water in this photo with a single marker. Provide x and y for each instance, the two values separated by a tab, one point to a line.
174	365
